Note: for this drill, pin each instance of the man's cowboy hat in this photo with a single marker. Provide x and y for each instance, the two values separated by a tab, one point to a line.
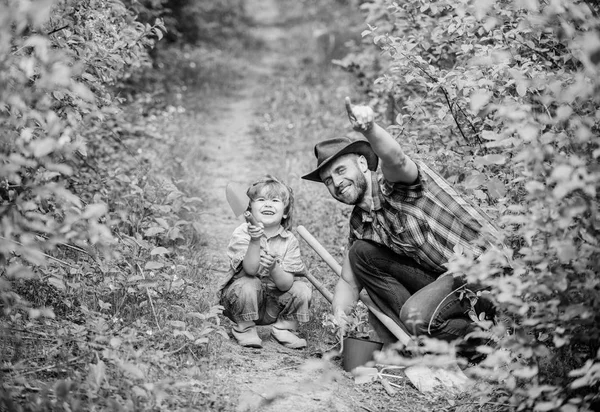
328	150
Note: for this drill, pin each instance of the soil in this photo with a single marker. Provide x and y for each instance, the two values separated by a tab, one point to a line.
222	148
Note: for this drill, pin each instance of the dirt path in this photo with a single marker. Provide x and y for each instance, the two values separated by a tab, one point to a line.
274	378
224	150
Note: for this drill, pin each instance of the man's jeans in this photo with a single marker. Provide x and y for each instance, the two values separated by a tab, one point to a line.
420	302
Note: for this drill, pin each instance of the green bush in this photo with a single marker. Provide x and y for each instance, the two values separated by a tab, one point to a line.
502	97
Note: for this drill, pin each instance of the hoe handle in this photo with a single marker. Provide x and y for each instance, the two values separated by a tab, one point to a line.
364	297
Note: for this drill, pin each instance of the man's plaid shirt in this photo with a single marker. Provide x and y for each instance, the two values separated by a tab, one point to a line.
424	220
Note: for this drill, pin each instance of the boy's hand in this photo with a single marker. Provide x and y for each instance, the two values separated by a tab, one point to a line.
267	260
361	117
255	231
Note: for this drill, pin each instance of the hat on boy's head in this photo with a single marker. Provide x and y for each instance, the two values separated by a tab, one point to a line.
328	150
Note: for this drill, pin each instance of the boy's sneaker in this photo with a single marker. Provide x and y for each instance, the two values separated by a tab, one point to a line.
247	337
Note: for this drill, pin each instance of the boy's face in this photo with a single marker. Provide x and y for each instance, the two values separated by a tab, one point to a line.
268	210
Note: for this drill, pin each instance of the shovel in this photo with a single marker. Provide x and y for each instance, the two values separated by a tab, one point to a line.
238	201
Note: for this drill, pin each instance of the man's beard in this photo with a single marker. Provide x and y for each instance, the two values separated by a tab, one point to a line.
360	185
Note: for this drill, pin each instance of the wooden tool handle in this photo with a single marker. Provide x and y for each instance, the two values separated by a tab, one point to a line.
321	251
250	218
320	287
392	326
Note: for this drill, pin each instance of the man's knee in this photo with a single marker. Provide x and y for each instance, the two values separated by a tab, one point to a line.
360	253
412	318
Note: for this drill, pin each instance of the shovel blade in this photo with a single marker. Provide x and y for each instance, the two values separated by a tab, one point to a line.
237	198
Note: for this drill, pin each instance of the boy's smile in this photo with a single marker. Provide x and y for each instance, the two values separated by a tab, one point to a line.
267	211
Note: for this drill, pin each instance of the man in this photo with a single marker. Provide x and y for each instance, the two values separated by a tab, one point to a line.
403	229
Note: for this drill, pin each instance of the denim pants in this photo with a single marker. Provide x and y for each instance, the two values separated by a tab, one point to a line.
248	298
420	302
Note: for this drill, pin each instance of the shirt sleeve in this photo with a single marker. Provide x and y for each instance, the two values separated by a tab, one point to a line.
401	191
238	245
291	262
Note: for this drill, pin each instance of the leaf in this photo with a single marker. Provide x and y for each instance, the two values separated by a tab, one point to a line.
83	92
489	135
132	370
496	188
159	251
95	211
534	186
153	231
363	374
478	100
474	181
162	222
153	265
96	374
177	324
526	372
497	159
43	147
57	283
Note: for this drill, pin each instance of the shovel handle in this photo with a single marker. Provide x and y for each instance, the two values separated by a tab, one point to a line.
250	218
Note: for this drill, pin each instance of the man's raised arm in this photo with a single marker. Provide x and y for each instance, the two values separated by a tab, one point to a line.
395	165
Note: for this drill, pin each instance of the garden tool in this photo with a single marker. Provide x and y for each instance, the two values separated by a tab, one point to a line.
423	377
238	201
237	198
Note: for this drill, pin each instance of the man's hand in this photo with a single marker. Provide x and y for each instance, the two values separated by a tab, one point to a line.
341	321
361	117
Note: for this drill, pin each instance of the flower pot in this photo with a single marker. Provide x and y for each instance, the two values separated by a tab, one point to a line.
358	352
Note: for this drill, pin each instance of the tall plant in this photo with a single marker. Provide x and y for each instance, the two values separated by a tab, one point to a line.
503	96
58	64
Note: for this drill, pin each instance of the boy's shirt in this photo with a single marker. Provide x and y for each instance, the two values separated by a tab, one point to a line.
284	245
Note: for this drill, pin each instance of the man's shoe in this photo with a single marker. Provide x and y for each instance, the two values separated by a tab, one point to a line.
248	337
288	338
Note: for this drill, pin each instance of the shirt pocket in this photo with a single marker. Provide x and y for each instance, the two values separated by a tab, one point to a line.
408	232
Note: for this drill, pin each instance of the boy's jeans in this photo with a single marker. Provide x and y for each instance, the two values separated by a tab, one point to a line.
250	299
418	301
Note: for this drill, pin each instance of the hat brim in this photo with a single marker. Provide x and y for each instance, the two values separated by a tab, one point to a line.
360	147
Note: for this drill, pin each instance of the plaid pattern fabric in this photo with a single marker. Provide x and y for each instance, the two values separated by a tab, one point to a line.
424	221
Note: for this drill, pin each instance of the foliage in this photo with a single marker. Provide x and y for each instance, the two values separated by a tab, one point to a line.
356	323
194	21
516	84
91	254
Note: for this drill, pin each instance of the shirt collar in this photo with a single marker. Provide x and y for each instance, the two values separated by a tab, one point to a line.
281	232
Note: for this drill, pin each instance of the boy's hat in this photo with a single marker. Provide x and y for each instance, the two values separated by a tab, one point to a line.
329	150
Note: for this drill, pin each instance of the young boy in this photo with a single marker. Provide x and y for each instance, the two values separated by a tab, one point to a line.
264	285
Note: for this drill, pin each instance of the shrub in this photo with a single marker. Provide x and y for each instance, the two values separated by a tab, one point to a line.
503	98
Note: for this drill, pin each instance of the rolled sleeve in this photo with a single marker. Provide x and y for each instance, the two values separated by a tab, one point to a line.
402	191
292	262
238	245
